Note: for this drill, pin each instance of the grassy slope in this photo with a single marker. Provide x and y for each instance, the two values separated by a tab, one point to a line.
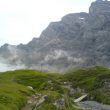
93	81
14	91
12	94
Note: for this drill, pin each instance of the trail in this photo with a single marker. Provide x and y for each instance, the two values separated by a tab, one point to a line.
34	103
30	103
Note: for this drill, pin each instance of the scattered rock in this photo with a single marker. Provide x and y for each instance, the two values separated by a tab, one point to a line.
42	99
106	84
93	105
36	95
30	87
50	81
29	101
64	82
80	98
51	88
60	103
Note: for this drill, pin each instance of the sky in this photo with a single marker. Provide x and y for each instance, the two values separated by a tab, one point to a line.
21	20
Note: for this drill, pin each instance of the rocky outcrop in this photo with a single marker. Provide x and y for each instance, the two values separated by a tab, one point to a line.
78	40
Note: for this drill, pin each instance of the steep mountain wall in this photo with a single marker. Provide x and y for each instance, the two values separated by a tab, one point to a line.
78	40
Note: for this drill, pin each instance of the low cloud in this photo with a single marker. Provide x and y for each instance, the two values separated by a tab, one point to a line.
7	67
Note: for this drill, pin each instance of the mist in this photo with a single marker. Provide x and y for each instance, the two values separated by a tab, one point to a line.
6	67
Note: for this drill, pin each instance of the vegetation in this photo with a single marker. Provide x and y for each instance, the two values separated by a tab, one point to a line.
14	87
94	81
12	95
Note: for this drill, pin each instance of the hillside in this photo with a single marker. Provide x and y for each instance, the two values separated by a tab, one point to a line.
78	40
22	89
19	88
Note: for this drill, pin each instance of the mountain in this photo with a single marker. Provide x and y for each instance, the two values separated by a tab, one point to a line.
78	40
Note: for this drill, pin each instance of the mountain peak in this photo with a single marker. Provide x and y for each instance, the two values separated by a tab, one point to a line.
78	40
100	7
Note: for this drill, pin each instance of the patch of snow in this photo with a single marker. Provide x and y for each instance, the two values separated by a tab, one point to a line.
81	18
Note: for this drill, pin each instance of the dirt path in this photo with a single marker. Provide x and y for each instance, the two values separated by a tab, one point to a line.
30	103
27	107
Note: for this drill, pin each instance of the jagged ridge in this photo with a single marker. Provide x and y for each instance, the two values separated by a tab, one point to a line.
78	40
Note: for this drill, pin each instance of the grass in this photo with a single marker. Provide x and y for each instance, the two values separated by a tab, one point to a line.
92	80
12	95
14	90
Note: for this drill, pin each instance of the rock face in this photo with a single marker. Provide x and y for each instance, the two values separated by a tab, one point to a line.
78	40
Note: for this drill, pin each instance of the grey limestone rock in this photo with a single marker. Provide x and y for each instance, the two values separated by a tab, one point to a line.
78	40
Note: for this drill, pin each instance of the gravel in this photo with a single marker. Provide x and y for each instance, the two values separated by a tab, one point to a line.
93	105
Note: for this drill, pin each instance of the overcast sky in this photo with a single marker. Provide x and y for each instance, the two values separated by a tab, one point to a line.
21	20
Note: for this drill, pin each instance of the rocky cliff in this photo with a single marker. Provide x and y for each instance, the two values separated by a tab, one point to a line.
78	40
